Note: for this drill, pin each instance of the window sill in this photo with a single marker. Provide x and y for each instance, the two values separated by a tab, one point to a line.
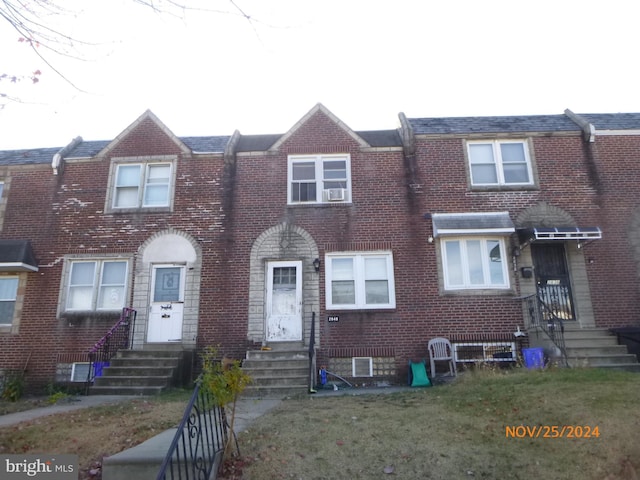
498	292
503	188
319	204
334	310
118	211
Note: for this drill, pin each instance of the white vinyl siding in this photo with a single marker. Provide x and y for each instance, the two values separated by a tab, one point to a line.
360	281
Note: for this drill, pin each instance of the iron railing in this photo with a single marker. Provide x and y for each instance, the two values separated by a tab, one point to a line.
312	355
117	338
544	318
197	449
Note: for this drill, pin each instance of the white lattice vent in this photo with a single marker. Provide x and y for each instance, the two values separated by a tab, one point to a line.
362	366
79	372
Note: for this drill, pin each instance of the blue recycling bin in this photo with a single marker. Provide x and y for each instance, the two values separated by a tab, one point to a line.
533	357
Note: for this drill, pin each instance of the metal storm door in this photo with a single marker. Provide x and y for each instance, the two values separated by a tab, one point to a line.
284	301
553	282
167	303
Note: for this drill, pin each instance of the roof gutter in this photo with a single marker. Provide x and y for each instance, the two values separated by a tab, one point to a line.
56	162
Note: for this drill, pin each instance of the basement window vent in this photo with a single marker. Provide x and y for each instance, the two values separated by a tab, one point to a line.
79	372
362	366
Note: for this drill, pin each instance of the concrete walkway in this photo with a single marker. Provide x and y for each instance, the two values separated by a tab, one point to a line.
73	403
143	461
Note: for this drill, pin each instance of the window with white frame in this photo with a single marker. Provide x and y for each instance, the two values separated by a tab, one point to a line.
96	285
360	281
472	263
8	296
142	185
319	179
499	162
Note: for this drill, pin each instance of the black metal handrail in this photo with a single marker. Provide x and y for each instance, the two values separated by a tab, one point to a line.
197	449
544	318
117	338
312	354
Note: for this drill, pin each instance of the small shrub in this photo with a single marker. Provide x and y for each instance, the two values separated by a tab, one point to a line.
57	397
13	386
225	380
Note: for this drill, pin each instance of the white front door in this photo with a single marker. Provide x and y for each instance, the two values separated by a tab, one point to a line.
167	303
284	301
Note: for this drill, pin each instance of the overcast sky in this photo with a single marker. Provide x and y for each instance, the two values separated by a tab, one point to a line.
208	73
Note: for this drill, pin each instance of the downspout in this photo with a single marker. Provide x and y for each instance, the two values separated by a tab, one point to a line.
588	130
56	162
589	135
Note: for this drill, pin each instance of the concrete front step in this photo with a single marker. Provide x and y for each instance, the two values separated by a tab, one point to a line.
275	391
277	355
578	342
601	360
591	350
141	371
142	381
286	371
144	361
277	373
126	390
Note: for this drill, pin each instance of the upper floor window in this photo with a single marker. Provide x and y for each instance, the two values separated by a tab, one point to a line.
96	285
474	263
141	183
499	162
319	178
360	281
8	296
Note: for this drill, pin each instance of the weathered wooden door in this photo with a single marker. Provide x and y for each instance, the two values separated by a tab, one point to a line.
284	301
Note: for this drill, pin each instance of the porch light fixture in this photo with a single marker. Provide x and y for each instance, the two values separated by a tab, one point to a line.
316	264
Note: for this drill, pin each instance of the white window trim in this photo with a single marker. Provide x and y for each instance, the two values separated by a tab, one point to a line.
15	299
497	156
319	176
360	281
145	162
100	261
467	285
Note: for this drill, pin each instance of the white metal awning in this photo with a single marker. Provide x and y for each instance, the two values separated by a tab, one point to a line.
475	223
559	233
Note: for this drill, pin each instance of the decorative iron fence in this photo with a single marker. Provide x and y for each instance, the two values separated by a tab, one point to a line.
197	449
117	338
543	316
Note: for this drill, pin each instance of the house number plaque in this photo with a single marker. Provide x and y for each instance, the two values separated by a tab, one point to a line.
334	318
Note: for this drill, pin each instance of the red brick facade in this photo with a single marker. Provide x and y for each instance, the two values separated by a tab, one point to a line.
224	201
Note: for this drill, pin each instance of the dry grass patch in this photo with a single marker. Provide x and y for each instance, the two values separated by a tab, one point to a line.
454	431
93	433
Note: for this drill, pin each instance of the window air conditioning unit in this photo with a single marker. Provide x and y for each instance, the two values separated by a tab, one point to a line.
336	194
362	366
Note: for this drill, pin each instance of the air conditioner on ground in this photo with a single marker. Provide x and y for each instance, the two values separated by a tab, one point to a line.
335	194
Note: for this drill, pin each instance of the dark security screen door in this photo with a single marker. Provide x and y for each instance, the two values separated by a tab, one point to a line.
552	279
